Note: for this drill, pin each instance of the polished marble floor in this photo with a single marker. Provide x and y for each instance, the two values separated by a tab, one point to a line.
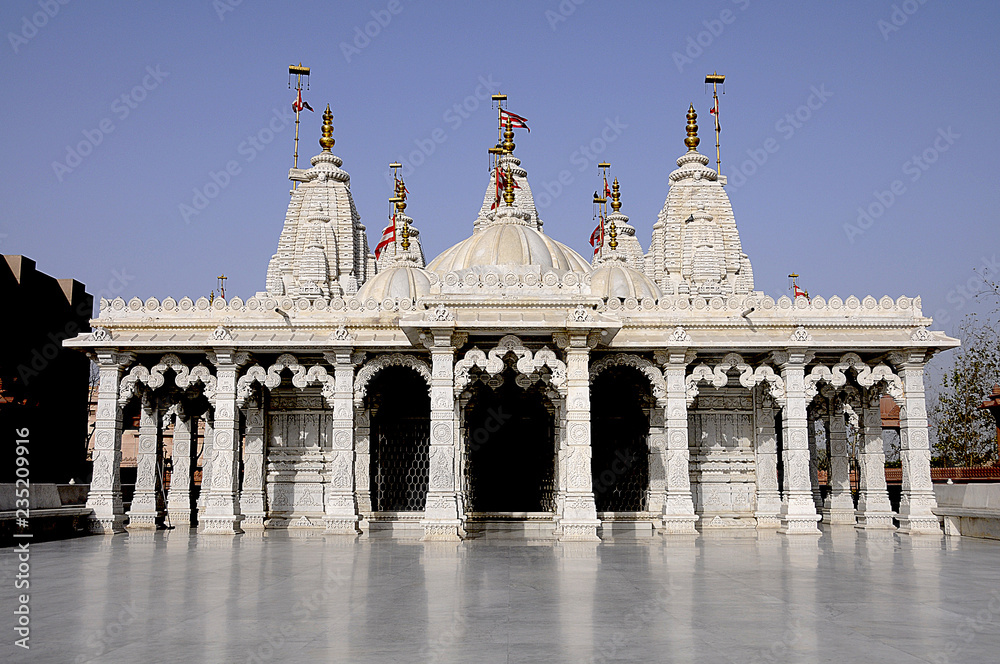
175	597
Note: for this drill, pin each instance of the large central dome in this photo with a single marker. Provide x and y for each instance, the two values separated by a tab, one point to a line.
512	245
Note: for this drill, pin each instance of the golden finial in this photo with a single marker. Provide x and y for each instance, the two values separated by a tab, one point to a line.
613	236
406	235
616	197
508	138
508	186
692	139
327	141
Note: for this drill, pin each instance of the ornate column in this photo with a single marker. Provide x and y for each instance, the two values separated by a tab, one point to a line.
105	496
341	513
179	495
579	519
560	469
798	511
252	500
147	505
838	508
874	510
207	458
917	503
814	447
441	516
656	492
362	466
222	510
768	512
678	509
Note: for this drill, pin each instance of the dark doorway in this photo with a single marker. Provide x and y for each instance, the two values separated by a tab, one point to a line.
400	440
511	449
619	403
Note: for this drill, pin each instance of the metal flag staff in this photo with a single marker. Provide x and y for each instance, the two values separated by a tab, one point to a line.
299	72
600	210
794	287
715	79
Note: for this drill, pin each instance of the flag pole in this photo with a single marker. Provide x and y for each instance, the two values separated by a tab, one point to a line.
715	79
298	71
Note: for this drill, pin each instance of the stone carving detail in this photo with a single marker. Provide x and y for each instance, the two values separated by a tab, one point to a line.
341	334
800	335
100	334
271	378
650	370
680	336
440	313
867	376
920	334
221	334
581	315
528	364
372	367
718	376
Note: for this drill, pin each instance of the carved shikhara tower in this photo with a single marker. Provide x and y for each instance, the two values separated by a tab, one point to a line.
510	382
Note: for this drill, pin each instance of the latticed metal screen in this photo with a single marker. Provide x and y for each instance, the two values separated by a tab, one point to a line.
400	463
620	465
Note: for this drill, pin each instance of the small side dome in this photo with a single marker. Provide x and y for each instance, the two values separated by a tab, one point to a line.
403	282
615	279
509	244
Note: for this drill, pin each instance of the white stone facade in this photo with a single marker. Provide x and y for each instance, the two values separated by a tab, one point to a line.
510	383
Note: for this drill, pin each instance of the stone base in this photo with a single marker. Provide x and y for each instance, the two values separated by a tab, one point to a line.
107	525
340	525
679	525
920	525
142	521
839	517
768	521
799	525
442	531
579	532
179	517
221	525
875	520
252	522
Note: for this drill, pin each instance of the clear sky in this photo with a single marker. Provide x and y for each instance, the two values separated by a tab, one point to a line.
887	106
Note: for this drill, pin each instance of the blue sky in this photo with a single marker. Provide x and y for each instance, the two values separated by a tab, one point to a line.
903	102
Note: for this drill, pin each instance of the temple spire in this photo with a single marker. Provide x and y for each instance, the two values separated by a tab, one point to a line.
508	138
616	197
692	139
327	141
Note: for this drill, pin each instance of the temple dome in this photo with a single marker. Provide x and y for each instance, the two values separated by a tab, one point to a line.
613	278
509	244
405	282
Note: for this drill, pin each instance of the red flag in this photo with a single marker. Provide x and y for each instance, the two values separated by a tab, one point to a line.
597	237
388	237
499	188
715	111
799	292
516	121
298	104
607	191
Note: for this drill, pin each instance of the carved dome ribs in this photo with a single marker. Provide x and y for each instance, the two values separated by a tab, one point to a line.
509	245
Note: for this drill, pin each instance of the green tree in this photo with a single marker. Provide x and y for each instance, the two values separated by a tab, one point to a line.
966	434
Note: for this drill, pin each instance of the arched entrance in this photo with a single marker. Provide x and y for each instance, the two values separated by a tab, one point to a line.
510	446
400	440
620	403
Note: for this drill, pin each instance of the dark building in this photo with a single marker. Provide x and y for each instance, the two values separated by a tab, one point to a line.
43	386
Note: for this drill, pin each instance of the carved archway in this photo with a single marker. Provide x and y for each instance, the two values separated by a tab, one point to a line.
380	362
653	373
718	376
528	364
271	377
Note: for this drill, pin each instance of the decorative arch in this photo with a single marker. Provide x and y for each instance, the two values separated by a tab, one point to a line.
373	366
154	377
718	376
867	376
528	363
650	370
271	378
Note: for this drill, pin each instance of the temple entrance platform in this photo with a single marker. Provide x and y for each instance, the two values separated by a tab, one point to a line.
846	596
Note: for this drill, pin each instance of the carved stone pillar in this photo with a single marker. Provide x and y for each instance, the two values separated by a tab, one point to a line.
560	469
222	510
579	520
656	492
341	513
798	510
362	466
105	496
838	508
147	505
461	466
207	457
874	511
917	502
441	516
179	495
768	512
678	508
815	445
252	500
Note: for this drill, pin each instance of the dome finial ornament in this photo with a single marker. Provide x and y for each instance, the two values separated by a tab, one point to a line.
327	141
508	184
692	139
616	197
508	138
